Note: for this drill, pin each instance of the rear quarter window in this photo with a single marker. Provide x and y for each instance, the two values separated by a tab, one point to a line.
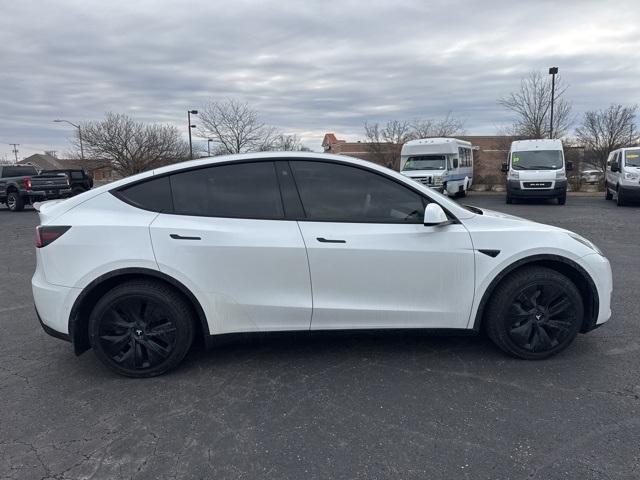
153	194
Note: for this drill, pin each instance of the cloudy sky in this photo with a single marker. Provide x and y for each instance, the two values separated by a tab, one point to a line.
308	67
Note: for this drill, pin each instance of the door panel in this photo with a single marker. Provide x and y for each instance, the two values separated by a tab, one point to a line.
253	273
389	275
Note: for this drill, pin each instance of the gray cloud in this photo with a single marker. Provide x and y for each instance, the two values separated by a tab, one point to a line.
308	67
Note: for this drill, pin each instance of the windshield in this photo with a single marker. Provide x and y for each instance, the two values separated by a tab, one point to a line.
426	162
536	160
632	158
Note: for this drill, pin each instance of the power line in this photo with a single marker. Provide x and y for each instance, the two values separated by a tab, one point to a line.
15	150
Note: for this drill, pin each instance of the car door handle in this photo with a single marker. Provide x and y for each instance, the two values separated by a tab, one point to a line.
327	240
175	236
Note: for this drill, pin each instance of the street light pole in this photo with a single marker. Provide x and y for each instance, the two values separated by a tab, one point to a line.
79	135
189	112
209	147
552	71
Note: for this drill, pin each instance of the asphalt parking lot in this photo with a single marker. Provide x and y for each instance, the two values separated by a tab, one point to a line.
343	406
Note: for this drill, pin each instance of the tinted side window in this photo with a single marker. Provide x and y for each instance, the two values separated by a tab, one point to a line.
154	195
77	175
18	171
241	190
341	193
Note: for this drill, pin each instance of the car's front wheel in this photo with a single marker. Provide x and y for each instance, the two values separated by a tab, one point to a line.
534	313
141	328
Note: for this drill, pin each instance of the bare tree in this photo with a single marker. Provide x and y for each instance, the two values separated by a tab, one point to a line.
288	143
235	127
602	131
132	147
448	126
531	105
384	143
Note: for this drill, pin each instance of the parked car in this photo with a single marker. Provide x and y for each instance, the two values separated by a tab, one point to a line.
536	169
623	175
79	180
21	185
591	176
139	268
445	164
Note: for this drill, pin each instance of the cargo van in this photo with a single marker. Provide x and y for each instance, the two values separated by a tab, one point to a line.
445	164
536	169
623	175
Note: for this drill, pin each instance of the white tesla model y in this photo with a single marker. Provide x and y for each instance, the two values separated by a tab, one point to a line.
140	268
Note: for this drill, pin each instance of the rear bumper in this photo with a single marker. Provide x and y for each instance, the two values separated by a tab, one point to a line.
53	304
515	190
42	195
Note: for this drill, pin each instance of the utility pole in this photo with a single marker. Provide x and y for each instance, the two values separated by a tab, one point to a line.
209	147
15	150
552	71
189	113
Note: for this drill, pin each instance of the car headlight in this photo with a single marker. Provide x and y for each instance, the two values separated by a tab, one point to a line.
585	242
514	175
561	175
631	176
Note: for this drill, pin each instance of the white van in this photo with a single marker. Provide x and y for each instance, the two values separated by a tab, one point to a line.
536	169
445	164
623	175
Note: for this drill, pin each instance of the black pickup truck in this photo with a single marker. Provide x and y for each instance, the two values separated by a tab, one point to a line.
21	185
79	180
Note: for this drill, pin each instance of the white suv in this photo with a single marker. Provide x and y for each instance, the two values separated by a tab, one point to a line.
140	268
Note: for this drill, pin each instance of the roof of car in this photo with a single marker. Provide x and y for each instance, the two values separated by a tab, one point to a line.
263	156
542	143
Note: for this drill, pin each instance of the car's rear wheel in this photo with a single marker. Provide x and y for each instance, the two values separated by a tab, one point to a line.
15	202
141	328
562	199
534	313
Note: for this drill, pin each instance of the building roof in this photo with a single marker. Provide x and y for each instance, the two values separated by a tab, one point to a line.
41	161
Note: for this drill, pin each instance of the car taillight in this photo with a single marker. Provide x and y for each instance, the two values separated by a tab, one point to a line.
27	183
45	234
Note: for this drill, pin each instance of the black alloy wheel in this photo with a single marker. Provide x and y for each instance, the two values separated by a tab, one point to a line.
534	313
540	317
141	328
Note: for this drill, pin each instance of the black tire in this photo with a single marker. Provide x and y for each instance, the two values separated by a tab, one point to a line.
15	202
141	328
77	191
607	194
522	317
562	200
509	200
619	197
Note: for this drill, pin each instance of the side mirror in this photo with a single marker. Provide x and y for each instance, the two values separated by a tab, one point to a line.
615	167
505	167
434	215
569	166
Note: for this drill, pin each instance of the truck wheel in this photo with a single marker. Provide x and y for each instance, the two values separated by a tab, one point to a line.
509	200
619	197
15	202
77	191
607	193
562	200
